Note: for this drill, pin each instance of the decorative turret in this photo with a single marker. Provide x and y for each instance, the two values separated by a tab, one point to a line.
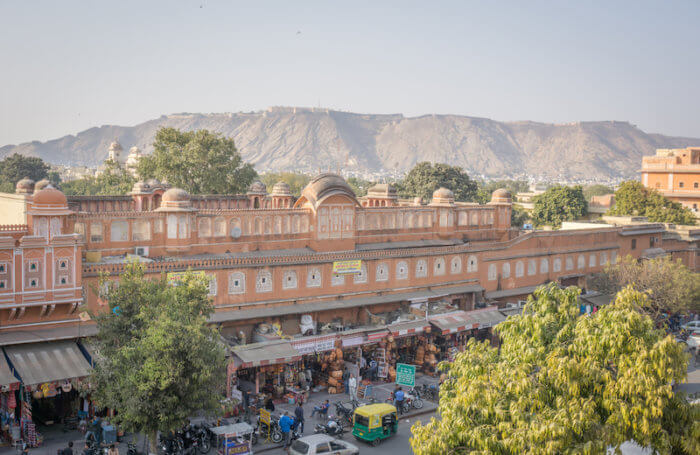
381	195
281	196
257	193
443	196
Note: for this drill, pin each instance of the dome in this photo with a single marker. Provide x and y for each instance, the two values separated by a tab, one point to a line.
281	189
176	195
134	151
25	186
115	146
257	187
41	184
501	196
175	200
443	196
49	196
323	186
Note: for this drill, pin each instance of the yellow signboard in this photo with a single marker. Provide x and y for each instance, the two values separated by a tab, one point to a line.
265	416
175	278
347	267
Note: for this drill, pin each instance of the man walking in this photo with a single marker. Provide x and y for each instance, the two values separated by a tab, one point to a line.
299	417
398	399
285	424
352	386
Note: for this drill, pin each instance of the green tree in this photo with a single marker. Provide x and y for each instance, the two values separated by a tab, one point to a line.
359	186
159	360
596	190
487	188
633	198
112	181
15	167
558	204
200	162
669	285
518	216
295	180
426	177
562	383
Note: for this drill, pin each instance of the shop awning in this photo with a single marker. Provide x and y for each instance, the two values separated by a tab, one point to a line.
269	353
37	363
6	376
460	321
375	335
38	335
503	293
408	328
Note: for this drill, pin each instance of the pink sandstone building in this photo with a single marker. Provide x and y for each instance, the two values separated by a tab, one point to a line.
273	260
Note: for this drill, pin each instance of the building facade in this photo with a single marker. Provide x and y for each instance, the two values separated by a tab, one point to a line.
675	173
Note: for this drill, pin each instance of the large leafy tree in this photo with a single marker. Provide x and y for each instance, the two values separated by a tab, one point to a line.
113	180
15	167
596	190
669	285
295	180
633	198
159	362
562	383
559	203
426	177
201	162
359	186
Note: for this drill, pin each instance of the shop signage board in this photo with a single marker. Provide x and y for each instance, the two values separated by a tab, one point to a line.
265	416
175	278
406	375
315	345
353	341
347	267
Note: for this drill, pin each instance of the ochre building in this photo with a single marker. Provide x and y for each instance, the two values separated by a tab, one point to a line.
675	173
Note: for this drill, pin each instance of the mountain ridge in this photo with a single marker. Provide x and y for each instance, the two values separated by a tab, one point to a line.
307	139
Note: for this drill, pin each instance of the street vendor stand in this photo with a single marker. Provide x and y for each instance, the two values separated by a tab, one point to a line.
234	439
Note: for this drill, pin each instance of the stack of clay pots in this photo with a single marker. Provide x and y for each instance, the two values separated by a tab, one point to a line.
333	363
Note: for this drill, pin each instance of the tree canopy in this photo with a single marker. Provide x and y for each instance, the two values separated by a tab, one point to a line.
518	216
562	383
113	180
426	177
200	162
15	167
295	180
669	285
558	204
359	186
596	190
159	362
633	198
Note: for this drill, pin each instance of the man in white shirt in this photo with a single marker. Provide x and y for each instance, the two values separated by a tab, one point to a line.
352	386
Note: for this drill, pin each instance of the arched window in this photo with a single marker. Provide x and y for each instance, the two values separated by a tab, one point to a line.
456	265
505	273
204	227
569	263
236	283
439	267
581	261
219	227
493	272
592	260
544	265
213	290
402	270
313	278
603	258
382	272
421	268
532	267
289	281
556	265
263	282
519	269
472	264
337	279
362	276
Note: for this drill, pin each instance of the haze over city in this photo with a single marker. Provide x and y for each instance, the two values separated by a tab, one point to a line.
70	65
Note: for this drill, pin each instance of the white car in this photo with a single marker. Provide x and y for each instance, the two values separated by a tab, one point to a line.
691	326
322	443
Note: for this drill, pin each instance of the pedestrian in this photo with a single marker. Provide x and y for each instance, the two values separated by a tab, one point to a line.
285	424
346	376
113	450
352	384
322	409
398	399
299	416
87	450
372	370
269	405
68	450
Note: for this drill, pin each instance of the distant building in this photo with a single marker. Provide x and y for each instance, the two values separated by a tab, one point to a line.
675	173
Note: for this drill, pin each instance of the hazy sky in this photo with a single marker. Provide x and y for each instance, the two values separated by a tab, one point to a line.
67	65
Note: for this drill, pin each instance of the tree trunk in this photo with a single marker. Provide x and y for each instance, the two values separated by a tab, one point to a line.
153	442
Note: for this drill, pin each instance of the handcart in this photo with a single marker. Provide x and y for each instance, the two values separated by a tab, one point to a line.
234	439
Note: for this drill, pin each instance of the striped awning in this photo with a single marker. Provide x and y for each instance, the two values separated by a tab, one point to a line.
6	376
460	321
375	336
408	328
268	353
37	363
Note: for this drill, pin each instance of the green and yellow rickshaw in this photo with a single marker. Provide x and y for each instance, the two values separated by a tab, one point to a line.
374	422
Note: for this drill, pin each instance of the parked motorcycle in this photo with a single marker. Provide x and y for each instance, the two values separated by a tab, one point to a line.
334	427
414	398
343	412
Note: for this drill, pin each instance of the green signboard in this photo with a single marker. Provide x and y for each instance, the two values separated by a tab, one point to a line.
406	374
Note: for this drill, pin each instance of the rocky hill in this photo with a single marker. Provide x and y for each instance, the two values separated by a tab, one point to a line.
312	139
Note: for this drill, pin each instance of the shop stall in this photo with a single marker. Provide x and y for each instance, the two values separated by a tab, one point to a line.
9	385
271	366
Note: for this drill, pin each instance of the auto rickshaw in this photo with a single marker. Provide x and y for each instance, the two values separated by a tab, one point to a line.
374	422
